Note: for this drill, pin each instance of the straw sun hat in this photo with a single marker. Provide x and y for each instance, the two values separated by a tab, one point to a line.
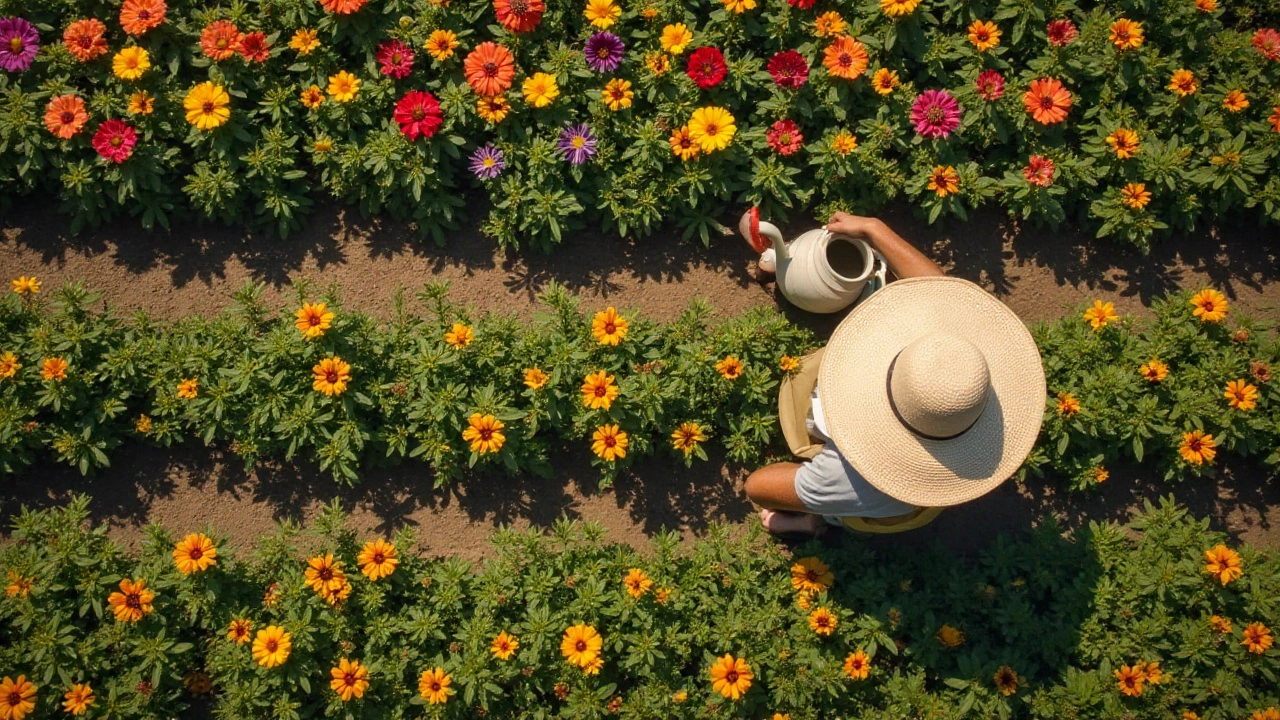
933	390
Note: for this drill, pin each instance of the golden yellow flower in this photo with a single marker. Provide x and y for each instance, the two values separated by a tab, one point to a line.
535	378
687	436
811	575
1210	305
239	631
304	41
598	391
207	106
141	103
730	368
680	696
313	320
712	128
1220	625
608	327
843	143
1223	564
459	336
884	81
857	666
484	433
312	97
1257	638
17	698
1126	34
1100	475
829	24
1131	678
1154	370
9	365
789	363
1183	83
898	8
609	443
343	87
581	645
823	622
1068	405
984	35
350	679
272	646
602	13
1101	314
26	286
1241	395
378	559
1135	195
324	574
1006	680
1197	447
731	677
143	424
132	602
195	553
504	646
637	582
682	144
675	38
19	585
738	7
662	595
78	699
189	389
949	637
54	369
658	63
1235	101
1124	143
493	109
330	376
130	63
617	94
441	44
540	89
944	181
433	686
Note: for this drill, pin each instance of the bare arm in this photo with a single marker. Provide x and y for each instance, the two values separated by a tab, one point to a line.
904	259
774	487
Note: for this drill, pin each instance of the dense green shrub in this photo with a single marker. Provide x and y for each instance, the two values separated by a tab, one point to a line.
1198	157
1063	616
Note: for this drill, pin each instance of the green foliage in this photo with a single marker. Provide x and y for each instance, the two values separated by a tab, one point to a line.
1061	614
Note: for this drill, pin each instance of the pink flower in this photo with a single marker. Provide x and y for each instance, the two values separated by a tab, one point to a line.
990	85
1039	171
115	140
935	113
784	137
1267	42
789	69
1062	32
396	59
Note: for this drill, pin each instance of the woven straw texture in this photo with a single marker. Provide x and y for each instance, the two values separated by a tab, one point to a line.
853	381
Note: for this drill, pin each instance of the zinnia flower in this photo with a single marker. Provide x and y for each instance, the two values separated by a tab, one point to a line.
343	7
418	114
1197	447
602	13
990	85
1206	5
441	44
731	677
141	103
1223	564
17	697
65	116
617	94
492	109
1210	305
1267	42
207	106
9	365
581	645
1257	638
489	69
884	81
1124	143
1039	171
1126	34
115	140
433	686
604	52
343	86
949	637
1062	32
1006	680
350	679
682	144
828	24
76	701
313	319
1068	405
220	40
324	574
535	378
519	16
898	8
86	39
132	602
707	67
1220	625
504	646
842	143
801	4
637	582
811	575
1135	195
188	389
730	368
312	97
675	38
19	43
1047	101
484	434
1154	371
577	144
330	376
487	162
540	90
377	559
130	63
272	646
823	622
935	114
54	369
304	41
1241	395
1100	474
1183	83
944	181
857	666
459	336
784	137
139	16
712	128
608	327
195	553
845	58
984	35
598	391
1130	679
788	69
737	7
395	59
687	436
657	62
254	47
609	443
239	631
1235	101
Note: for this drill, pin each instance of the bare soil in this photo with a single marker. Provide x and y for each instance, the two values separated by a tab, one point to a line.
194	269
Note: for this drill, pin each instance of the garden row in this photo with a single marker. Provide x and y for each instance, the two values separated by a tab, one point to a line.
1119	116
454	390
1155	620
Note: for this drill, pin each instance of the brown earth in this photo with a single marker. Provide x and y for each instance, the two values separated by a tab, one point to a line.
194	269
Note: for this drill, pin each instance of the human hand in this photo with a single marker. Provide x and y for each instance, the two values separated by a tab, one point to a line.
854	225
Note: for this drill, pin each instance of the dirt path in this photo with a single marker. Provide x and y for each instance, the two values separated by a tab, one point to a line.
194	270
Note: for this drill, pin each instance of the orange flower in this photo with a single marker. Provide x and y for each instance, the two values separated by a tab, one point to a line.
489	69
1124	143
65	116
220	40
1223	564
313	319
1131	678
139	16
1235	101
730	368
1135	195
1183	83
1220	625
1243	396
132	602
884	81
1257	638
1210	305
1068	405
682	144
845	58
1006	680
86	39
944	181
811	575
1197	447
731	677
858	665
1101	314
1274	119
343	7
637	582
54	368
1047	101
598	391
1126	35
239	631
984	35
823	622
609	443
950	637
188	389
1154	371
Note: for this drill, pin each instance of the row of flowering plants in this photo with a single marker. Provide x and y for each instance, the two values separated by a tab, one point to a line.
1157	620
1129	117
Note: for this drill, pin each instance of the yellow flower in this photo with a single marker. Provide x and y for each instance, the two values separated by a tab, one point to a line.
130	63
1183	83
1257	638
687	437
9	365
1197	447
189	389
1068	405
195	553
829	24
637	582
1131	678
132	602
898	8
843	143
1135	195
304	41
313	319
1124	143
682	144
1235	101
738	7
272	646
19	586
658	63
207	106
617	94
662	595
950	637
339	594
884	81
712	128
26	286
322	145
1100	475
789	363
324	574
484	433
54	369
581	645
857	666
330	376
602	13
141	103
1220	625
312	97
609	443
378	559
504	646
493	109
675	38
459	336
441	44
598	391
984	35
1006	680
680	696
1223	564
811	575
731	677
17	698
1210	305
350	679
540	90
1151	671
343	86
239	631
1126	34
433	686
1243	396
78	699
608	327
1101	314
535	379
594	667
823	622
1154	371
730	368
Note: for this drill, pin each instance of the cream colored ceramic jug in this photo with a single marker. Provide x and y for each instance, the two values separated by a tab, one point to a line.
818	271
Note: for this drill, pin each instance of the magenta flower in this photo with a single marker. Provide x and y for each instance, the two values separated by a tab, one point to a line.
990	85
395	59
935	113
19	42
604	52
115	140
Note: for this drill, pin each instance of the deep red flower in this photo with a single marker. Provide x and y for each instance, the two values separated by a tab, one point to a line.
706	67
789	69
395	59
1039	171
990	85
801	4
253	46
115	140
418	114
784	137
1062	32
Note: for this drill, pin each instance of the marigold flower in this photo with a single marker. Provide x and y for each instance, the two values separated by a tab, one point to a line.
609	443
272	646
86	39
730	368
1047	101
304	41
731	677
54	369
829	24
330	376
519	16
441	44
637	582
65	116
811	575
1183	83
17	697
1006	680
1126	34
19	586
350	679
823	622
239	631
682	144
738	7
788	69
189	388
1068	405
617	94
139	16
433	686
9	365
1124	143
1206	5
687	436
395	59
1197	447
845	58
540	89
944	181
493	109
602	13
27	286
898	8
195	553
132	602
207	106
1257	638
984	35
75	701
141	103
784	137
790	363
1101	314
1135	195
378	559
1271	713
504	646
489	69
1241	395
857	666
581	645
1130	679
484	434
343	87
1210	305
712	128
343	7
1235	101
1154	371
706	67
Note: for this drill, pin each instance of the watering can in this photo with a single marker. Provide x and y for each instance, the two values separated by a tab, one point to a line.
819	271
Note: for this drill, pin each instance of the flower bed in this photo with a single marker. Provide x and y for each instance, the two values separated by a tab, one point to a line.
457	391
1132	122
1164	621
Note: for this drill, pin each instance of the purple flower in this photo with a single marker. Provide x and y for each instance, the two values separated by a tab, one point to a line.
935	113
577	143
19	42
487	162
604	52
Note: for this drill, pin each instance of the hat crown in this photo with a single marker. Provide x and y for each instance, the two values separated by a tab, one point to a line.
938	385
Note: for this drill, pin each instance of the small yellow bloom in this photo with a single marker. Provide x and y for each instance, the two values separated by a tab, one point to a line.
687	437
1235	101
1183	83
823	622
637	582
950	637
1210	305
898	8
1257	638
17	698
207	106
730	368
1126	34
239	631
9	365
304	41
132	602
1154	371
829	24
1101	314
843	143
433	686
343	86
1135	195
1197	447
535	378
76	701
26	286
312	97
811	575
130	63
54	369
731	677
350	679
609	443
1241	395
712	128
484	434
738	7
885	81
272	646
617	94
504	646
1068	405
493	109
189	389
540	90
789	363
984	35
658	63
459	336
1124	143
675	38
313	319
19	585
857	666
1223	564
195	553
598	391
441	44
330	376
581	645
608	327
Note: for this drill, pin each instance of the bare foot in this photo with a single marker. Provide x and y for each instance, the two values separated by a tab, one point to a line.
785	523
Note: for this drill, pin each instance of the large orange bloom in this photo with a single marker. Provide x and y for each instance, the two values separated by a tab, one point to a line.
845	58
343	7
86	39
489	69
519	16
65	116
220	40
1047	101
139	16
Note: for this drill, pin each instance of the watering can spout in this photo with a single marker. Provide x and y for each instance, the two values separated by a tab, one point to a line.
762	235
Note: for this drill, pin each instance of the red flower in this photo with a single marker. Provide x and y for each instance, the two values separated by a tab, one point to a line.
253	46
396	59
418	114
1062	32
801	4
1039	171
990	85
706	67
1267	42
784	137
115	140
519	16
789	69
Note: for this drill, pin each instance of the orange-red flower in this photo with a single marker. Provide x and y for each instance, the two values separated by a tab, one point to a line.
139	16
86	39
490	69
519	16
845	58
1047	101
343	7
65	116
220	40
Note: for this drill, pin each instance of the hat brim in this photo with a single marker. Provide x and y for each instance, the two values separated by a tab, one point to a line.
853	382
